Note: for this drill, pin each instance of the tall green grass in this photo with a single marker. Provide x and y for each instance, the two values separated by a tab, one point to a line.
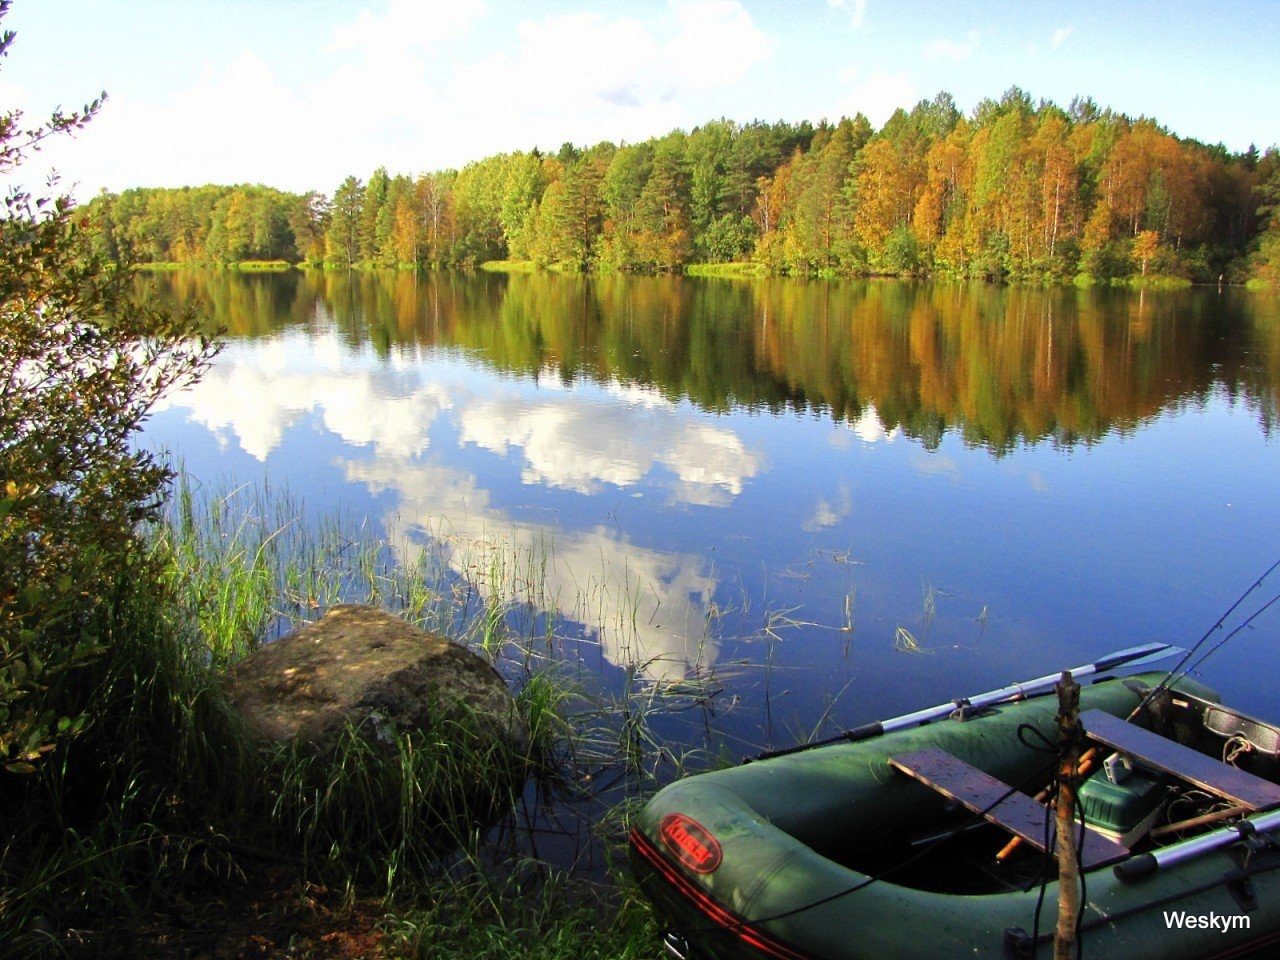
730	270
509	266
165	792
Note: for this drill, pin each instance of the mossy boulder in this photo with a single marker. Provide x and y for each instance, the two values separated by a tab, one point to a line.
364	667
361	702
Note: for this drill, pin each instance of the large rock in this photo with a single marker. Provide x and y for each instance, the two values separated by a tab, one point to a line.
371	670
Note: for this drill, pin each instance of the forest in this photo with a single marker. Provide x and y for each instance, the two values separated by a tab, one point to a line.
1017	190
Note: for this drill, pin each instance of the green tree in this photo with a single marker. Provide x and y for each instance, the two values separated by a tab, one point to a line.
406	231
308	219
1266	259
81	365
708	159
433	197
525	182
663	211
386	249
621	188
371	214
342	240
572	215
478	191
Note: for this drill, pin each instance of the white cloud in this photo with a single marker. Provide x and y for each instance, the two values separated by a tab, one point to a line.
587	76
709	456
952	49
392	89
226	126
565	445
716	43
13	96
582	77
576	445
247	394
869	429
826	514
407	24
256	392
878	96
1059	36
936	464
647	608
574	58
549	378
858	13
230	399
639	394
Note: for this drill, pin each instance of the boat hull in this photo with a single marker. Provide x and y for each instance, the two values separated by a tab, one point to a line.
776	889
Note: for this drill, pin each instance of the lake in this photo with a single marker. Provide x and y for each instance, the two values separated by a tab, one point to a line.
843	500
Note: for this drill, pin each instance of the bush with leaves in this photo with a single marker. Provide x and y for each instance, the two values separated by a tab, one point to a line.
81	365
1266	259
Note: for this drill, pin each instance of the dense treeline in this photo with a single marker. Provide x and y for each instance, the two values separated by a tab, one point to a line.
206	224
1016	190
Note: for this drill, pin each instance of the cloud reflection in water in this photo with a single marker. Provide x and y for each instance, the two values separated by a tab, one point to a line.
646	607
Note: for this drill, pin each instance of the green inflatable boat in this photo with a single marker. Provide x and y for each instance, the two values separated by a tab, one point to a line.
882	844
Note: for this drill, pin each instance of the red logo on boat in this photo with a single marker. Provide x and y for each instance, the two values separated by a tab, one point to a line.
691	842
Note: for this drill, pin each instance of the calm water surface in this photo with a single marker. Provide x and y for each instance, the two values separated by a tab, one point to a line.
848	499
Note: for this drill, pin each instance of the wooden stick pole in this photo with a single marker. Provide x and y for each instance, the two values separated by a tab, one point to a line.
1200	821
1064	939
1087	761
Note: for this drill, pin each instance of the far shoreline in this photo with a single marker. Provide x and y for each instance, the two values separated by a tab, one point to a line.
730	270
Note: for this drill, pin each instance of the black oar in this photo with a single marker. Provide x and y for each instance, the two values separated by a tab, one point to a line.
1132	657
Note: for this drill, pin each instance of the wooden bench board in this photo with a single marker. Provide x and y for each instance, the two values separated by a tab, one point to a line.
1205	772
1017	813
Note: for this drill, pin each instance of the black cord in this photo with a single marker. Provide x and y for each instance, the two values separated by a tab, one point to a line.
1044	864
1048	745
1077	811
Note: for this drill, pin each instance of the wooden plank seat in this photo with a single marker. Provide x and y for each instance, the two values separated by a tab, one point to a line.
1152	750
1018	813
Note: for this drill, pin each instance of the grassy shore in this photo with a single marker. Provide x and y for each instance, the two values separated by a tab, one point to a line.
164	826
509	266
1153	281
528	266
245	266
728	270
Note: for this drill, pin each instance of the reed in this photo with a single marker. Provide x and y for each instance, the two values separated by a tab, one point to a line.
165	793
726	270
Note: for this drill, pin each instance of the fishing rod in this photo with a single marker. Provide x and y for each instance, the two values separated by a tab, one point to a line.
1180	669
1130	657
1210	652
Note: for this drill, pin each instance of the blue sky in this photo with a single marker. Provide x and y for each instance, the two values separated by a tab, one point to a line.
298	93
